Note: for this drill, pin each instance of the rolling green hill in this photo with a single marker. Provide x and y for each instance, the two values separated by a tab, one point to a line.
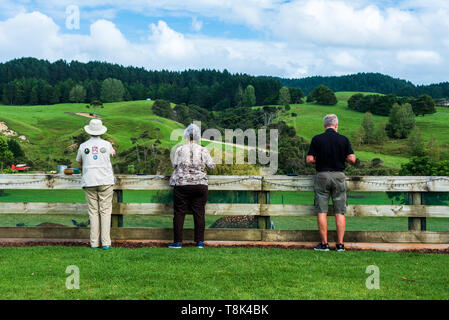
49	129
394	152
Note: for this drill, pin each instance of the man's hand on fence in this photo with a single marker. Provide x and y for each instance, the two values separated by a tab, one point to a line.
351	159
310	159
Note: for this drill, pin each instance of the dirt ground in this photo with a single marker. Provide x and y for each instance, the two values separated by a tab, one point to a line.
134	244
84	114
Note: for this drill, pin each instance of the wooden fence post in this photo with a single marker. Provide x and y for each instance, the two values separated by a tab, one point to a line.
117	218
263	222
416	224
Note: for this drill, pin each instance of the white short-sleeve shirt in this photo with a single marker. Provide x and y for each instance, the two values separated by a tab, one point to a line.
95	154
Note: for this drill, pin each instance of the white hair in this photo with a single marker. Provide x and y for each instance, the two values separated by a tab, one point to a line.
330	120
192	132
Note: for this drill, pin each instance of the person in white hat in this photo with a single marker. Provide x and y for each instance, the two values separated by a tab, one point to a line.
98	182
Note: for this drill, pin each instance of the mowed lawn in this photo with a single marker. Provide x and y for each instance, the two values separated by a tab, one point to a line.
219	273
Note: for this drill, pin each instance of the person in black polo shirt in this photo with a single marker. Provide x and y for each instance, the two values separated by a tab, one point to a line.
329	151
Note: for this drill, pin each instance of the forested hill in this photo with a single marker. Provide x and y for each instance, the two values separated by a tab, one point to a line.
29	81
369	82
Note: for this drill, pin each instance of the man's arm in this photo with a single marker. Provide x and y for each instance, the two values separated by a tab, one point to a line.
79	157
310	159
112	151
351	158
312	152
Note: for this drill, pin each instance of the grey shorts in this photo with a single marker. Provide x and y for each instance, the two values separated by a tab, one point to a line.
330	184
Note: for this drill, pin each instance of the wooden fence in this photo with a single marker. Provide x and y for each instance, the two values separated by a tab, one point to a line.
414	186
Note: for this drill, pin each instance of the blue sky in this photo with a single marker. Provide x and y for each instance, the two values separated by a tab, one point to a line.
407	39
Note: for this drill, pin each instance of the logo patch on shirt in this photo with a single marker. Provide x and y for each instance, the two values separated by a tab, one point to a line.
86	151
95	157
103	150
94	150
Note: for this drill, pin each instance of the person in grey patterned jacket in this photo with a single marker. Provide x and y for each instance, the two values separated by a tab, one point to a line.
189	181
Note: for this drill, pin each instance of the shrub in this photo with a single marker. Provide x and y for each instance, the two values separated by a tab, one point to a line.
323	95
163	109
423	166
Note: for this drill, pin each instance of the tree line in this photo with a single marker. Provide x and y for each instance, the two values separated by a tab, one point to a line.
382	104
30	81
370	82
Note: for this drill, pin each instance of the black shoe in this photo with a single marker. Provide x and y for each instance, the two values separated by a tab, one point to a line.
322	247
340	247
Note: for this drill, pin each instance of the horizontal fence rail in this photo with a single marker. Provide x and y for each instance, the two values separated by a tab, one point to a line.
262	185
229	209
233	183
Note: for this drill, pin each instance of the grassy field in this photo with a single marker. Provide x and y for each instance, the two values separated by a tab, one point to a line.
394	153
49	128
225	273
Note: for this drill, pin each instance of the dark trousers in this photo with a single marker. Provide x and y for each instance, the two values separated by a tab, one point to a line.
189	199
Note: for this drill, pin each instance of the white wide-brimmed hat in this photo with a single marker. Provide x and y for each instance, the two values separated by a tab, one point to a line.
95	128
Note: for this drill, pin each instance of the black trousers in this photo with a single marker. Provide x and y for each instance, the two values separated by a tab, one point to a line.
189	199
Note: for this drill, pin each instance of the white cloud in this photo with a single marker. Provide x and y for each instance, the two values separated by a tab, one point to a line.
296	38
345	59
419	57
164	49
169	43
20	38
339	23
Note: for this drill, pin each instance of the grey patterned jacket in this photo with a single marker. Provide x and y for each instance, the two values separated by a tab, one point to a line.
190	161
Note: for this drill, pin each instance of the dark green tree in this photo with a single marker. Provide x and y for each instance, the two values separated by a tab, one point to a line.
354	101
401	121
77	94
238	98
423	166
369	128
34	96
416	143
16	149
284	96
381	134
249	96
163	108
112	90
296	95
6	156
424	105
323	95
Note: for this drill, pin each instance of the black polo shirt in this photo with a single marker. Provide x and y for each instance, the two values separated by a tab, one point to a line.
330	150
